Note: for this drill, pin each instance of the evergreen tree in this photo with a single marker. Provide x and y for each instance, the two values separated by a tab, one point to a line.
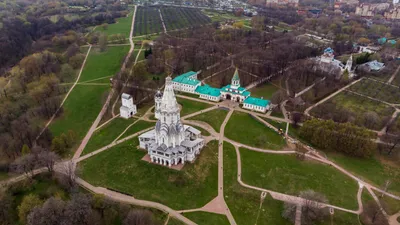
25	149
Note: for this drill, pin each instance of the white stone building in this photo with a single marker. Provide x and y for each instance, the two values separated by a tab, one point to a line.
186	82
127	109
171	142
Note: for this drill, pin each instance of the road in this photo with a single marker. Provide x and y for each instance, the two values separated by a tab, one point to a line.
394	75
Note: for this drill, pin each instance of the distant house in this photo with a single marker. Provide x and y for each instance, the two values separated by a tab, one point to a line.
374	65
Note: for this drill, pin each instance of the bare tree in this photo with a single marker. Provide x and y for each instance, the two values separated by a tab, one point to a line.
51	212
138	217
6	203
48	159
312	210
67	175
373	215
25	164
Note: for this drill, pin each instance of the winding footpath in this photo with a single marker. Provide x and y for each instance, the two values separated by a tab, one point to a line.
66	96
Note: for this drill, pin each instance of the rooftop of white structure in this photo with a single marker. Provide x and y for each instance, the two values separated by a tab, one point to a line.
126	96
257	101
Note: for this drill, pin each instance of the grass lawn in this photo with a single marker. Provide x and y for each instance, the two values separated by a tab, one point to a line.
122	26
205	218
243	202
214	118
4	176
122	169
391	205
278	114
203	132
189	106
140	125
358	104
265	90
141	56
142	108
371	170
102	64
105	135
243	128
173	221
285	173
80	110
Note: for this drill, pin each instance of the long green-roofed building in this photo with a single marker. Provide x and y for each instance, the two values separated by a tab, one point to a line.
188	82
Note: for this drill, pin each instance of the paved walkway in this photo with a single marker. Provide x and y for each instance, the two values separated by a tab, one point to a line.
130	200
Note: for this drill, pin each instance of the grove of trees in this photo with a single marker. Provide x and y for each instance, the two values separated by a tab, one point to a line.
340	137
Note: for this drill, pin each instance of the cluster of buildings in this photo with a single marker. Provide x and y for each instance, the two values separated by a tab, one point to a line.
328	63
389	11
275	3
170	142
189	83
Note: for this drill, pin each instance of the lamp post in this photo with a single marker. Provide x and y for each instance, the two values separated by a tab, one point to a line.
262	197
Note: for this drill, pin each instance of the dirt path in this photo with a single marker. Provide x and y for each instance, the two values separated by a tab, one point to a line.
66	96
394	75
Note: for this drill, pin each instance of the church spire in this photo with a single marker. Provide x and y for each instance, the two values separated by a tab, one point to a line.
235	83
168	102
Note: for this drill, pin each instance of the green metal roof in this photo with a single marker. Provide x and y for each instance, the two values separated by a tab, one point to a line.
256	101
242	90
185	79
208	90
236	75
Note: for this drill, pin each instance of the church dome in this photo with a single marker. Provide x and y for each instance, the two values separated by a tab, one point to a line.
158	94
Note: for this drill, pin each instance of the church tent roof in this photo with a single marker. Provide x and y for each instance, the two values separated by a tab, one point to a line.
256	101
236	75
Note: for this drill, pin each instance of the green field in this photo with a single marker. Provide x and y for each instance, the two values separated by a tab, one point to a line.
189	106
203	132
138	126
122	169
245	129
266	91
80	110
378	90
356	105
285	173
122	26
205	218
214	117
105	135
243	202
371	170
102	64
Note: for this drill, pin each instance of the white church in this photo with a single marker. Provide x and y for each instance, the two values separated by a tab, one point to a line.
171	142
127	109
